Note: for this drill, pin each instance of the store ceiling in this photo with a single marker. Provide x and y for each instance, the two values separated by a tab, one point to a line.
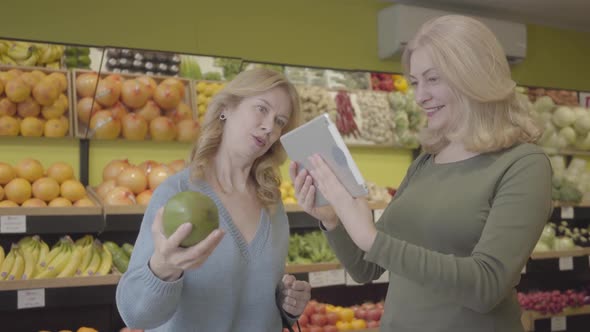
567	14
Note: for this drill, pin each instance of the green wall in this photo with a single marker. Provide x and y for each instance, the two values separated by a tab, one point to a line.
326	33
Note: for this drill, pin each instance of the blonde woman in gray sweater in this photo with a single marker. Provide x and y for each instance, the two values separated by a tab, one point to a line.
232	280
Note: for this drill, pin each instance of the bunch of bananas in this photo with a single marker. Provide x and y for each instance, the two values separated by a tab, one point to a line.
31	258
17	53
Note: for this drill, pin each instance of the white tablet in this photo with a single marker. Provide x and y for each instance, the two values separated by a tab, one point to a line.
321	136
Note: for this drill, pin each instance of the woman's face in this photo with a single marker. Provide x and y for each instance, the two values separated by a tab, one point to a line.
255	124
431	92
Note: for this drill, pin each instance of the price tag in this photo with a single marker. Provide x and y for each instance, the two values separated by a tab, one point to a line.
377	214
567	212
558	323
13	224
383	279
566	263
350	281
524	268
327	278
30	298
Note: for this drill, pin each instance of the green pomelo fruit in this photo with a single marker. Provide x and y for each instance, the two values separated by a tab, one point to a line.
192	207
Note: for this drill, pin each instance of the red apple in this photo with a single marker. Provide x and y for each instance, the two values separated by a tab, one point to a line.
320	309
316	329
319	319
309	310
361	314
372	324
330	328
332	318
374	314
303	320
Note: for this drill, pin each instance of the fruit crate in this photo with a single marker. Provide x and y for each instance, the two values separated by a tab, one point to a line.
31	106
85	110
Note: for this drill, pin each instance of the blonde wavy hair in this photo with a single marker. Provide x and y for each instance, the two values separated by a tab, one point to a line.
265	170
491	115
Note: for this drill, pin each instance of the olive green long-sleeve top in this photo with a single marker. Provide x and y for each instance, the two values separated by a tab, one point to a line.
454	241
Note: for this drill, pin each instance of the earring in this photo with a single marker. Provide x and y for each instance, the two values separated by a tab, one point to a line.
222	117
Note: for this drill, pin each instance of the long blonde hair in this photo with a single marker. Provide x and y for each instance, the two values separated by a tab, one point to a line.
491	116
265	170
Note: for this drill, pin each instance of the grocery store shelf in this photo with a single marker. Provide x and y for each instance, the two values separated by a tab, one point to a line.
566	152
52	220
528	318
315	267
111	279
563	253
573	212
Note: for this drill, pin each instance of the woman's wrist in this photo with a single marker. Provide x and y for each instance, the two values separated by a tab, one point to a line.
163	271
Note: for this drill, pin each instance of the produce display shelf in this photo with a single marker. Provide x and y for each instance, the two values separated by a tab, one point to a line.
528	318
315	267
566	152
51	220
581	212
110	279
562	253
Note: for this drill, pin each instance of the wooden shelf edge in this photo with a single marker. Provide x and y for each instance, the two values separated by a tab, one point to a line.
315	267
110	279
563	253
528	317
373	205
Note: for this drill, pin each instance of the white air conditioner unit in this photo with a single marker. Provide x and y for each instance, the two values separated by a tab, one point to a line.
399	23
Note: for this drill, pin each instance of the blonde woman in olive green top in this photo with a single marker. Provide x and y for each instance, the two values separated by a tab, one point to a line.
469	211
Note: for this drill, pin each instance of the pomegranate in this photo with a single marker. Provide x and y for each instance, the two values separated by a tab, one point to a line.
46	189
56	127
181	112
56	109
60	172
144	197
162	129
29	169
30	79
7	107
117	79
175	83
104	125
84	202
167	96
120	196
147	166
113	168
134	127
32	127
7	173
34	202
17	90
104	188
7	203
177	165
149	111
133	178
60	80
73	190
119	110
28	107
86	84
85	108
60	202
18	190
107	93
9	126
135	93
158	175
188	130
46	91
150	83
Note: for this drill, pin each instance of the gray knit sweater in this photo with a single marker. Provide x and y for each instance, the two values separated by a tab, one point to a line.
234	290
